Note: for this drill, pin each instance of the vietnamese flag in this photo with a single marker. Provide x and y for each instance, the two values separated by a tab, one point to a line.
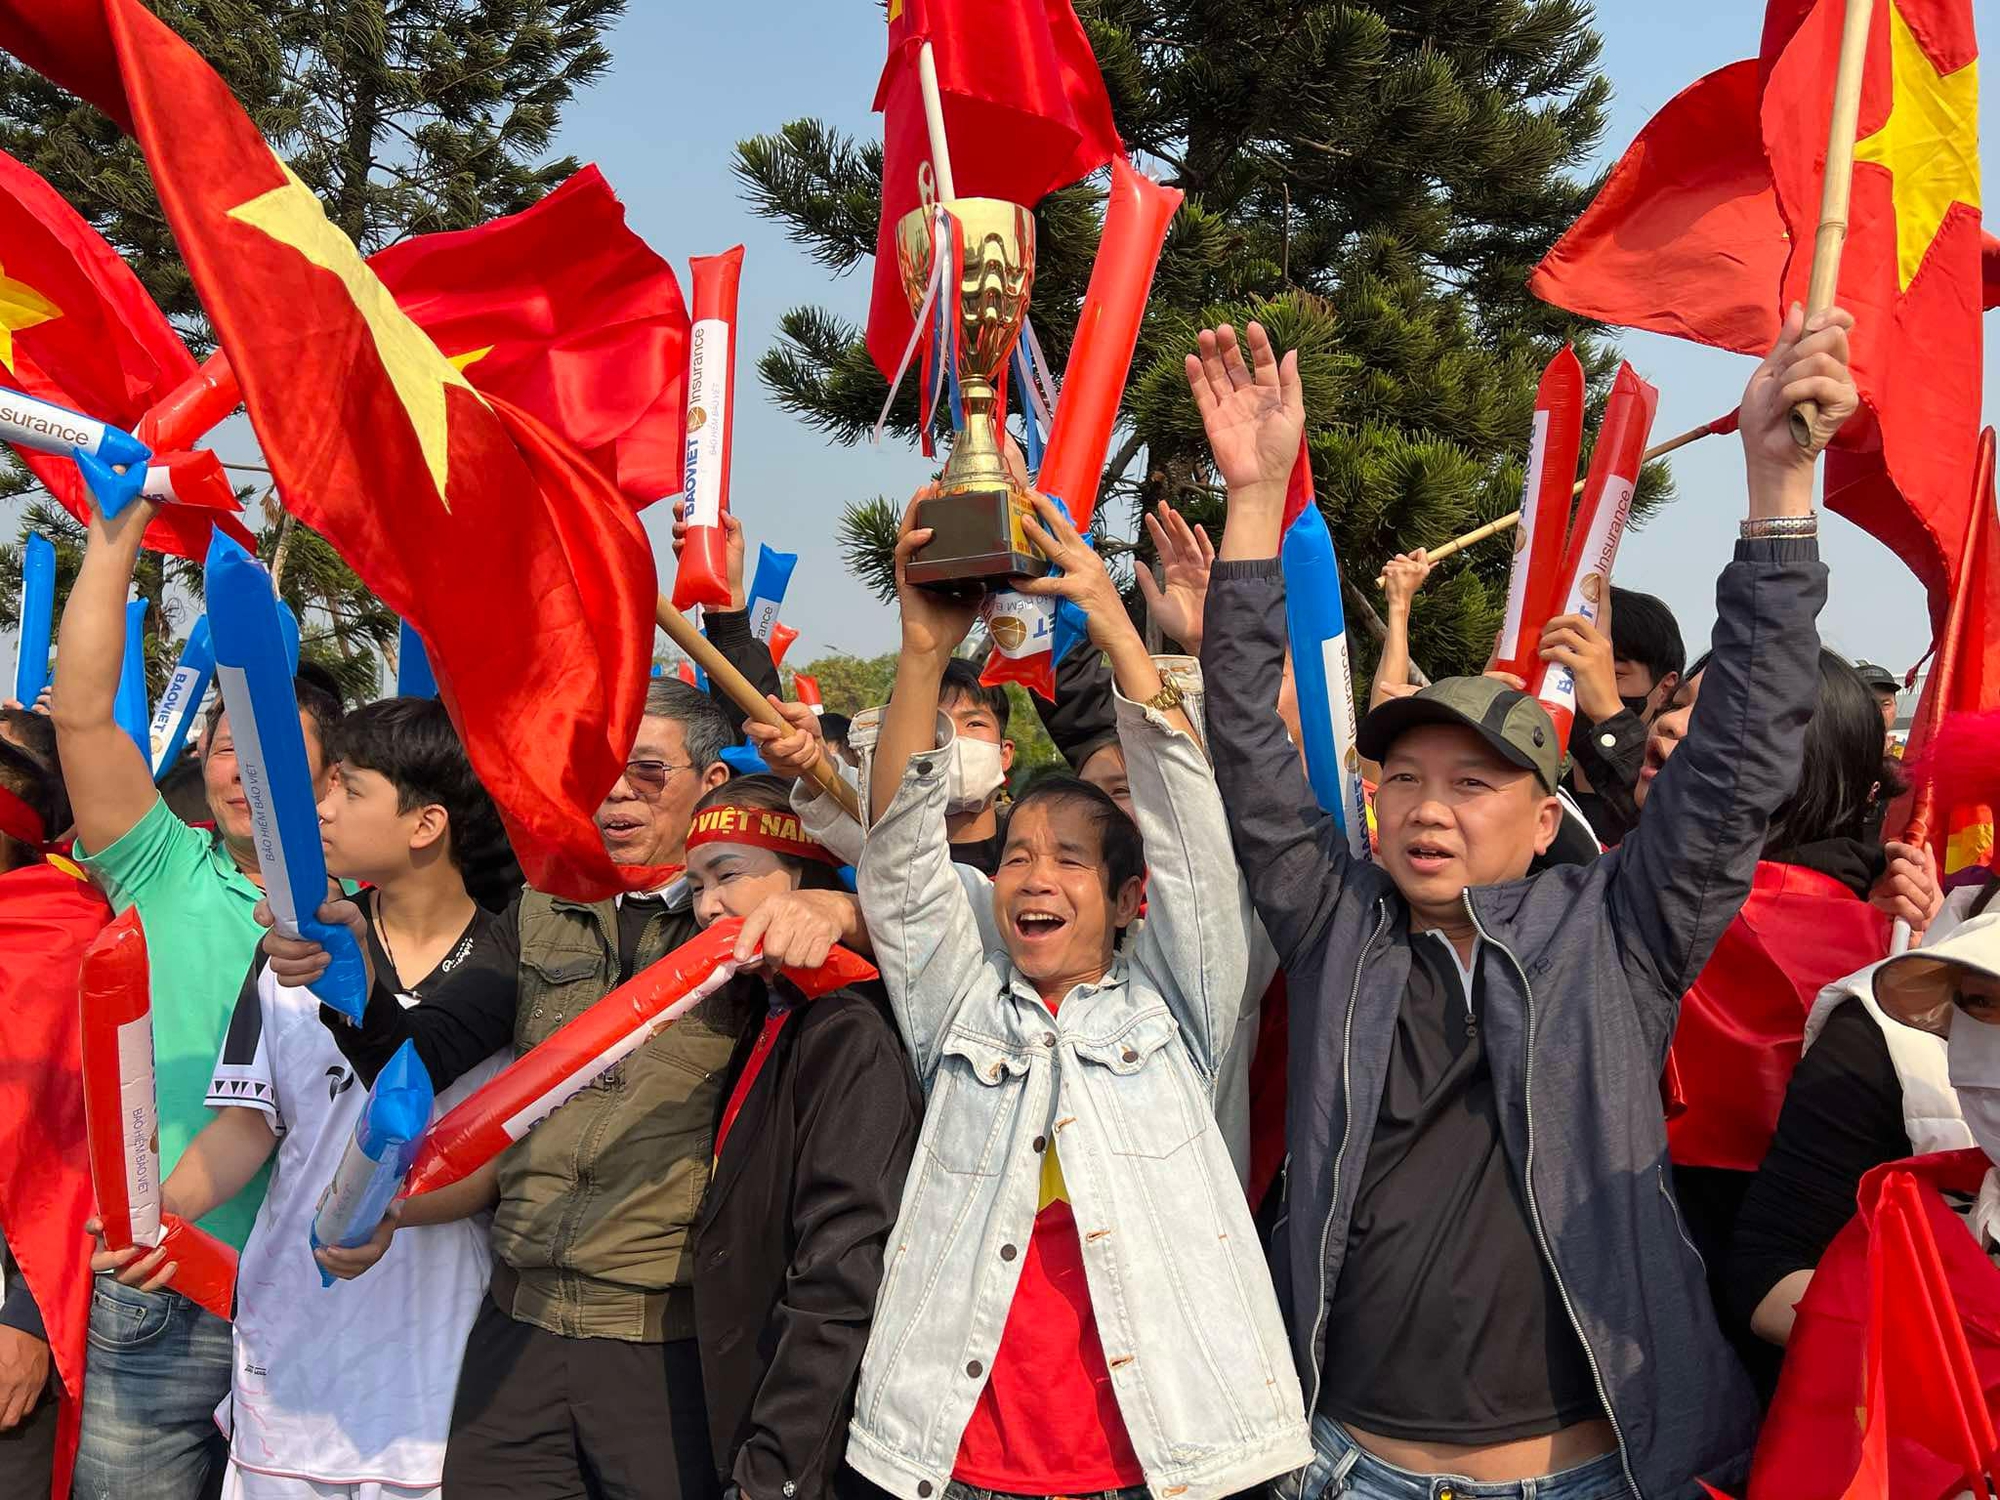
1711	215
1964	685
1025	112
48	915
1893	1366
529	580
77	328
568	314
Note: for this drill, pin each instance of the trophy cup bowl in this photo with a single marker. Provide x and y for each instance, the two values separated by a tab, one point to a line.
976	515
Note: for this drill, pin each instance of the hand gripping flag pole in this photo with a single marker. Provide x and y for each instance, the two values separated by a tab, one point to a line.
252	667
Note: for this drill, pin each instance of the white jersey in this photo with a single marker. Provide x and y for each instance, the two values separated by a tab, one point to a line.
350	1383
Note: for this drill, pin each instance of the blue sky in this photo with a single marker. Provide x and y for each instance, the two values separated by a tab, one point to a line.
689	81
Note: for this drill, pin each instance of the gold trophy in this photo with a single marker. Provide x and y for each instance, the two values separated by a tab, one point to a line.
976	516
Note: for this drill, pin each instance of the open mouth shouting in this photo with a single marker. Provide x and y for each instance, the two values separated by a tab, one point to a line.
619	827
1037	925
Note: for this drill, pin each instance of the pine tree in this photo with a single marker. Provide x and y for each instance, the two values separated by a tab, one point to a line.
1370	181
404	116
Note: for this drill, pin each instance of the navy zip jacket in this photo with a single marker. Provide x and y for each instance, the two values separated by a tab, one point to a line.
1584	967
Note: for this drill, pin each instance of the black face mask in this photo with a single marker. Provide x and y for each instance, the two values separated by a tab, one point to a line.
1638	705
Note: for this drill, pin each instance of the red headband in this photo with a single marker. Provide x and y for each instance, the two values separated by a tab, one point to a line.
20	821
760	827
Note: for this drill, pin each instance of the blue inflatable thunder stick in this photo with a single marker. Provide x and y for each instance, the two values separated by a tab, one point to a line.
174	714
1317	625
378	1156
38	615
128	708
100	450
414	678
256	682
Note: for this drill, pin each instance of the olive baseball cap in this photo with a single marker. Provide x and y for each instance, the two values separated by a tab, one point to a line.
1517	726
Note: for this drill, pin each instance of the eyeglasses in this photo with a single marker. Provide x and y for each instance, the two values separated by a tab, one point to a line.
649	777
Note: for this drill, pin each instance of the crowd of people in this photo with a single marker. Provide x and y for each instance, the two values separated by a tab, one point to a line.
1177	1151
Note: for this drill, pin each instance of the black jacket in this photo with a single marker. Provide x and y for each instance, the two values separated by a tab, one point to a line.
1584	968
790	1244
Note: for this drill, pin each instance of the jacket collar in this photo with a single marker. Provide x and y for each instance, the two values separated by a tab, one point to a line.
1115	978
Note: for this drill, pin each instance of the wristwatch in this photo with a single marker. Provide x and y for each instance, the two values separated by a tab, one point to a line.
1168	698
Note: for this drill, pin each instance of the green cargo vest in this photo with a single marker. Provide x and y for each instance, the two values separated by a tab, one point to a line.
598	1201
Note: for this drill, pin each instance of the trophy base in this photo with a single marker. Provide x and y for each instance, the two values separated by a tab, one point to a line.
978	541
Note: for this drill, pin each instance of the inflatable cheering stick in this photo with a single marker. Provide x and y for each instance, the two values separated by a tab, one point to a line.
703	575
414	677
128	704
579	1051
1600	523
121	1118
767	593
1545	497
38	613
1316	621
178	705
112	460
378	1157
251	665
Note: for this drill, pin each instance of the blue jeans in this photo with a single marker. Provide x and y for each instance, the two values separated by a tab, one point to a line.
157	1368
1343	1470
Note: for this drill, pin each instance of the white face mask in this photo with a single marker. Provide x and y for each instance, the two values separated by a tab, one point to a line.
975	773
1973	1050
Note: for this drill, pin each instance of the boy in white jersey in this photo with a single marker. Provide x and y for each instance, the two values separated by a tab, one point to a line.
344	1392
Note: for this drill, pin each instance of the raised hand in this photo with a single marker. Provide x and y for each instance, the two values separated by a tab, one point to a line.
1253	413
1186	556
933	623
1585	649
1076	571
1403	575
1808	363
732	531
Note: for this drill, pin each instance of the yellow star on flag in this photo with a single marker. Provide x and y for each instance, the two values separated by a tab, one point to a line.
292	216
460	362
1929	144
21	308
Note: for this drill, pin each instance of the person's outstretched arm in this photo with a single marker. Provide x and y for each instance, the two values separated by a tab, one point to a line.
927	941
1402	576
110	784
1291	851
1682	875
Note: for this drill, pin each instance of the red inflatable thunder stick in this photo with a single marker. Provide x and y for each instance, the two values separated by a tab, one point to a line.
1107	331
558	1068
1600	522
1538	539
782	637
703	576
121	1114
806	690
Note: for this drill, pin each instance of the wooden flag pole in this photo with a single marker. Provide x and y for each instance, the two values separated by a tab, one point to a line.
934	122
1836	186
1513	517
680	630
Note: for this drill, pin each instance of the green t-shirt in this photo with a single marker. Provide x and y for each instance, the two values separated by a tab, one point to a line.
200	941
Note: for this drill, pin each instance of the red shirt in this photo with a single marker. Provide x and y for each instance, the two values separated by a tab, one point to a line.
1047	1422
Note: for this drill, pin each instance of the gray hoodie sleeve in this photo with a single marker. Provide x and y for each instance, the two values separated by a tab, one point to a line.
1291	852
1681	876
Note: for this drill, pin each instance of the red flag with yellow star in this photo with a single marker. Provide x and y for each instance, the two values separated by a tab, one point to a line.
528	578
1705	230
78	329
567	313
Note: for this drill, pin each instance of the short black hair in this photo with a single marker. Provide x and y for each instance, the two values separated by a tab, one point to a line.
835	728
961	683
1120	852
768	793
412	743
37	785
1644	630
320	707
35	734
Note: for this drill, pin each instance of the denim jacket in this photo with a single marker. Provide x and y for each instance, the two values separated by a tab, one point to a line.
1123	1076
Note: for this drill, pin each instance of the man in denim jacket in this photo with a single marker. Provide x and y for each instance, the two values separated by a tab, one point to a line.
1489	1288
1075	1301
